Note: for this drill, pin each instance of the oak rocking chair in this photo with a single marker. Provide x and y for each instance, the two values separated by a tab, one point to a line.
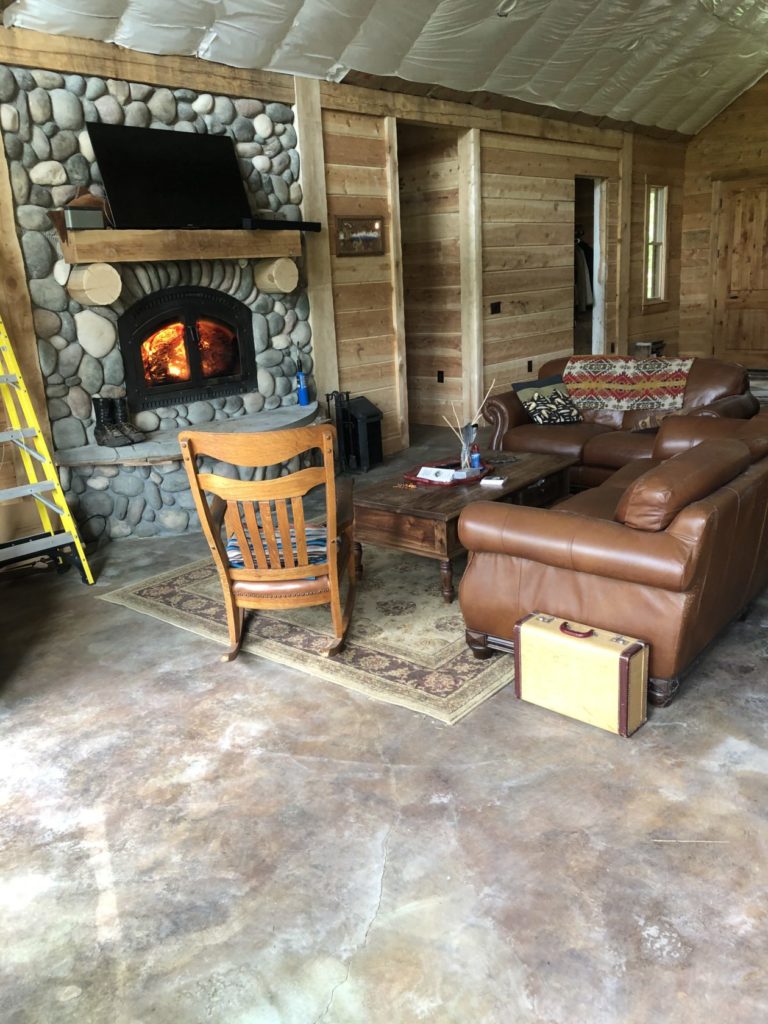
266	555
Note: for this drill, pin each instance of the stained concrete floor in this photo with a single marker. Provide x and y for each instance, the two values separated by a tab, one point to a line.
189	841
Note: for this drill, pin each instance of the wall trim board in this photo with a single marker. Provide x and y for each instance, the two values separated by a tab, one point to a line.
471	250
75	55
396	266
317	253
623	245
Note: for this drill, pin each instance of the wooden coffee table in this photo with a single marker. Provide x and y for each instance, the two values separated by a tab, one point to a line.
424	520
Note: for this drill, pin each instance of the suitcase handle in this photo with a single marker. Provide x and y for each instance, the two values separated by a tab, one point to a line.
581	634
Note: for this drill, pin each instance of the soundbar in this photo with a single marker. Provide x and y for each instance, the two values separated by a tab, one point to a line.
265	223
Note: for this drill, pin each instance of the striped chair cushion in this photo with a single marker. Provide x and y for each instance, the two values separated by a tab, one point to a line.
317	547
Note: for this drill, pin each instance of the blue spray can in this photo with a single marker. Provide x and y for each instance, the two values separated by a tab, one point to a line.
301	377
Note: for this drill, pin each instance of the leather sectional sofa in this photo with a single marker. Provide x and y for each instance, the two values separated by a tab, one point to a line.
669	549
607	440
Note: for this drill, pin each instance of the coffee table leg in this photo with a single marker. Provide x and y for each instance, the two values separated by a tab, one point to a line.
358	560
446	580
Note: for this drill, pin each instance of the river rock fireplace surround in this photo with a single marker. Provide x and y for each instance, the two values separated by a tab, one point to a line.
141	490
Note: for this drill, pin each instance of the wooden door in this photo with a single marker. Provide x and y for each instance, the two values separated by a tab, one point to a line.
741	277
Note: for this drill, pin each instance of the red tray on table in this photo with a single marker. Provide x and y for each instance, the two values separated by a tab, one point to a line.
412	474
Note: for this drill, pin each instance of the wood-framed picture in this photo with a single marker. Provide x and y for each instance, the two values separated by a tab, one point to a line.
359	236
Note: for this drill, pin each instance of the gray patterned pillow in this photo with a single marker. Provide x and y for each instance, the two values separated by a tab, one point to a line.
555	407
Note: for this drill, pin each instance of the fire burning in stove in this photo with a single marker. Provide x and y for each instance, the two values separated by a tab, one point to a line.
165	353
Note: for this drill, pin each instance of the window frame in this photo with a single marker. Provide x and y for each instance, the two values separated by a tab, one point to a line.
655	244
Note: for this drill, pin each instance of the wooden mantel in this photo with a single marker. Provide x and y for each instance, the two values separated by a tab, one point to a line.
133	246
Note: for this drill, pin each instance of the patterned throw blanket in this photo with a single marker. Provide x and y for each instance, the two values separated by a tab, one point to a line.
625	383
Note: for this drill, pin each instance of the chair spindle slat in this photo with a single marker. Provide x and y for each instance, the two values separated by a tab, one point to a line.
257	544
297	511
234	525
268	532
284	527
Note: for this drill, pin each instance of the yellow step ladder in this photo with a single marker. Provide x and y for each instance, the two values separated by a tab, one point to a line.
61	543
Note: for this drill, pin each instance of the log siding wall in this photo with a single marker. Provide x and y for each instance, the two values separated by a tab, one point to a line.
734	145
656	162
429	210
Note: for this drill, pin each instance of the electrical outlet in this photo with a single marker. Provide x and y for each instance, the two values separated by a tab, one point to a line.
530	366
441	376
495	307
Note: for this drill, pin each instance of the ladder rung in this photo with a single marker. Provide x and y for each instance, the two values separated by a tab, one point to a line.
11	493
17	435
16	550
8	378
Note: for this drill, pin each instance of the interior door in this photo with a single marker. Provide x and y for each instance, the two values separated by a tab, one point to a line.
741	282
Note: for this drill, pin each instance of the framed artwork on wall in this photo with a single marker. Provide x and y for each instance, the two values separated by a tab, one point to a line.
359	236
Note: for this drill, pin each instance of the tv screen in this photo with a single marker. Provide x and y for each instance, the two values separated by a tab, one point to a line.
164	179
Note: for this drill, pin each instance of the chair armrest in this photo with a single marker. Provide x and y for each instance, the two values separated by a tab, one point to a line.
504	412
731	406
568	540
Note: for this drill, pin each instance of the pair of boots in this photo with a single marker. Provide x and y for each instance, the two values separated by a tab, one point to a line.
113	426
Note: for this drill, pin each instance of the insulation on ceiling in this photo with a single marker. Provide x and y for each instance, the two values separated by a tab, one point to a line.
673	64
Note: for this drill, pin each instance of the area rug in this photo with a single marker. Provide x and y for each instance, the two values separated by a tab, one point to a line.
405	645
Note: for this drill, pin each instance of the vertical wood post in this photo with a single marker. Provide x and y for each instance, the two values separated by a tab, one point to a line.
624	244
396	270
317	245
471	256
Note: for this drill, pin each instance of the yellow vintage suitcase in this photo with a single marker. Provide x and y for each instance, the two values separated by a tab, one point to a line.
585	673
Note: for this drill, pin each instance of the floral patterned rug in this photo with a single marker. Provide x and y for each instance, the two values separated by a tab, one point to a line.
405	645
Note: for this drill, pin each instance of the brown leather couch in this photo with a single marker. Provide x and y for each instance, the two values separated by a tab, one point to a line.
605	440
669	549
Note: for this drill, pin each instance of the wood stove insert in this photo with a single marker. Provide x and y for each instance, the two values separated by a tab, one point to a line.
184	345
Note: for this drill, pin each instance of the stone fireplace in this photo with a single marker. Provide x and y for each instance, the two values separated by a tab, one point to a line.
231	350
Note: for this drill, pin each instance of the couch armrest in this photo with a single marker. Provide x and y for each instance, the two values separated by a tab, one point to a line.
570	541
504	412
731	406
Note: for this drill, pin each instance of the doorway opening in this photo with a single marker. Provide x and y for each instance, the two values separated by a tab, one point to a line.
588	273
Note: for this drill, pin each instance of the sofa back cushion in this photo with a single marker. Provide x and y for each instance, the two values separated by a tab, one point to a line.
607	417
656	497
710	379
678	433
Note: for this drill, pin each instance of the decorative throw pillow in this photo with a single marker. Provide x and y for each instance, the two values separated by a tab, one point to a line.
652	419
526	389
554	407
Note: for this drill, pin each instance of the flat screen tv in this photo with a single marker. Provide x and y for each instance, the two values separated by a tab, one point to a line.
155	178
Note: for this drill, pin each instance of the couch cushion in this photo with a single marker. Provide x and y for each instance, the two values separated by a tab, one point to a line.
656	497
617	448
683	432
556	439
711	379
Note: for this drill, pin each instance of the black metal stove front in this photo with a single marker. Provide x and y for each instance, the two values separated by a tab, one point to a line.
186	344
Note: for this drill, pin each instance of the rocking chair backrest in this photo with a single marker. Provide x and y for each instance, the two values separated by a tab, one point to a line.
266	518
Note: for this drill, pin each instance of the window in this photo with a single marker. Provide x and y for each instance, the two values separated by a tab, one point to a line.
656	243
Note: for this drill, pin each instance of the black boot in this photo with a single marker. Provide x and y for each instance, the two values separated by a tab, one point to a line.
106	431
123	422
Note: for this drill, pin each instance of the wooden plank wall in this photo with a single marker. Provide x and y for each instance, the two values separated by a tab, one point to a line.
357	185
528	221
429	209
734	145
656	162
